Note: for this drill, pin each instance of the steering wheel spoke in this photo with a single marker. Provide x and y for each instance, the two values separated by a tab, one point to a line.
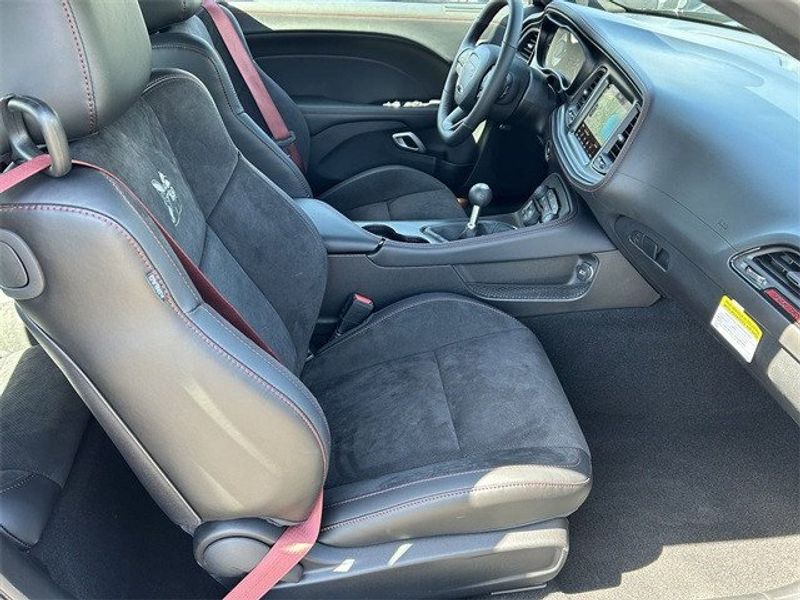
455	118
478	74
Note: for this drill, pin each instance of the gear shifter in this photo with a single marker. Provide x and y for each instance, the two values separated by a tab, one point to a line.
480	196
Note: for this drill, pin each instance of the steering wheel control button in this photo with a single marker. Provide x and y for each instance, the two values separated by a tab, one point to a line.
479	84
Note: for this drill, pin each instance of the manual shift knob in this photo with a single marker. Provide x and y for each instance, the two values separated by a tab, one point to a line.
480	195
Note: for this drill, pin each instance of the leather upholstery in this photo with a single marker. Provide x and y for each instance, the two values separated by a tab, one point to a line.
24	577
188	46
233	411
195	46
96	64
159	14
445	414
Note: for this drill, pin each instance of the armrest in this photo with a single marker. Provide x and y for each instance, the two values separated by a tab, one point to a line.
340	234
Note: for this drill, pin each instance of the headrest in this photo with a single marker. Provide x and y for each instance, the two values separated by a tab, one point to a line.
88	59
159	14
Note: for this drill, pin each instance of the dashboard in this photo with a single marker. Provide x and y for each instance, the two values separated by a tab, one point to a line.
683	140
602	103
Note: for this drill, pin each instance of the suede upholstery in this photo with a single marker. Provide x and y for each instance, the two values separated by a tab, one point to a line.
193	44
232	219
472	404
290	112
214	427
188	45
396	193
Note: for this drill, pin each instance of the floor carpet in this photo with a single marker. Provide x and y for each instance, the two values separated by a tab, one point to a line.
108	539
696	488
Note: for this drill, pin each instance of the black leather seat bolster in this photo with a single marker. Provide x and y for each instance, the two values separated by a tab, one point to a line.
510	491
42	422
24	577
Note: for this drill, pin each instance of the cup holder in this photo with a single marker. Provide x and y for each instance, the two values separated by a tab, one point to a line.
388	233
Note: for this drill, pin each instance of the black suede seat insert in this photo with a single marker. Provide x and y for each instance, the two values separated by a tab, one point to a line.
439	386
224	212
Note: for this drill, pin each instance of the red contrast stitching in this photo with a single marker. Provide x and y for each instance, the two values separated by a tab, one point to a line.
87	84
149	266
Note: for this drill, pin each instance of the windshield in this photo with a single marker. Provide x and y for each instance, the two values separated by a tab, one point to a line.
688	10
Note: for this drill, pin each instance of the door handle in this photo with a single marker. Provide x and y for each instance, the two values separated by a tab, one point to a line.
408	140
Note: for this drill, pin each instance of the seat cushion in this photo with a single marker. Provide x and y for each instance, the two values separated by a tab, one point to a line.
42	421
393	193
446	418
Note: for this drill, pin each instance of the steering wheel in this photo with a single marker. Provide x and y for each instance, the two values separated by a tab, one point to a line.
478	75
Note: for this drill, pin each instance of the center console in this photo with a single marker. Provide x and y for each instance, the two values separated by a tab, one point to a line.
549	256
551	201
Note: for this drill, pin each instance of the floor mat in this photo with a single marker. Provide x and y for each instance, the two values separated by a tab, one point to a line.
696	469
108	539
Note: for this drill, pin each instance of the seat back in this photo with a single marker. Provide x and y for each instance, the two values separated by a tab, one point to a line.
185	37
216	428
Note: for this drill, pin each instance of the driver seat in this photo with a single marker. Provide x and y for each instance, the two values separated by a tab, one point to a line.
183	36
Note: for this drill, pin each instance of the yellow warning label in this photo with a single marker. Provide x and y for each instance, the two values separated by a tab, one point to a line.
737	327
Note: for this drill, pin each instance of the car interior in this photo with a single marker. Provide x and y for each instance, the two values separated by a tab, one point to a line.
379	299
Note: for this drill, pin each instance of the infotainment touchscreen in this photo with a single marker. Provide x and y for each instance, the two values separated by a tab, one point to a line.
603	119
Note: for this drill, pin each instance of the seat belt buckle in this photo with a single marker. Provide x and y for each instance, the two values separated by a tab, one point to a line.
355	311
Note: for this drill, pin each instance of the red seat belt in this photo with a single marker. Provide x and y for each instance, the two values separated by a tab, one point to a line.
296	541
208	291
210	294
288	551
247	69
22	172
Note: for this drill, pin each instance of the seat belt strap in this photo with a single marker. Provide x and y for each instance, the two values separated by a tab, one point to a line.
247	69
297	540
18	174
289	549
207	290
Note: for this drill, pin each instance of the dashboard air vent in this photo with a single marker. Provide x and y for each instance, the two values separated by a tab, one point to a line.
590	87
784	266
775	273
527	42
614	151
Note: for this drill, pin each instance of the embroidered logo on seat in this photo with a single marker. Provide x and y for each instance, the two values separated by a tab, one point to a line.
169	196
